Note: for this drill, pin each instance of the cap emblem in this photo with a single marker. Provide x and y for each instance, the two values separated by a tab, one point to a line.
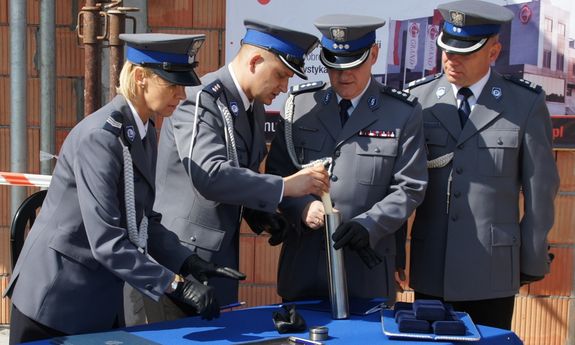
338	34
457	18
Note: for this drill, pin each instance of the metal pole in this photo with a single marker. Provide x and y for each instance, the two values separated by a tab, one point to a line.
117	23
47	83
336	269
18	93
90	26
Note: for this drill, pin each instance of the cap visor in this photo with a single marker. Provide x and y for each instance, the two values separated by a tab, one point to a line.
347	61
185	78
296	69
455	45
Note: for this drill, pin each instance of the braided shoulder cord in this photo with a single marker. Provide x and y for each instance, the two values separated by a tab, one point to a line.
138	237
229	133
289	107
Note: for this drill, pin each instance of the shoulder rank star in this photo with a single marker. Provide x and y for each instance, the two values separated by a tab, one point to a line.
377	133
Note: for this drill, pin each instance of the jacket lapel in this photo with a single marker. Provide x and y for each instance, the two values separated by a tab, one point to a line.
487	108
363	114
445	109
140	159
329	114
233	101
258	147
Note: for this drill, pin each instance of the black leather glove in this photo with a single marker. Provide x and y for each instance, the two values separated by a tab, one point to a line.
355	236
274	224
202	269
201	297
351	234
289	321
526	278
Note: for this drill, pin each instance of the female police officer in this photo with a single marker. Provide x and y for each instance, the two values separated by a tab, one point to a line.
96	230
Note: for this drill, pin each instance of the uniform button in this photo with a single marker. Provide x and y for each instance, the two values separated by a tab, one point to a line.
457	194
460	146
454	217
377	150
333	178
459	171
149	287
499	141
193	238
337	153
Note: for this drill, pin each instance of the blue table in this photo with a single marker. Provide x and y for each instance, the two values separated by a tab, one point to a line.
256	324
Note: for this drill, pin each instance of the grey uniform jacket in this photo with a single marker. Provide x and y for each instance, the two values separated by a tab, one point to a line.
204	209
75	260
379	177
475	246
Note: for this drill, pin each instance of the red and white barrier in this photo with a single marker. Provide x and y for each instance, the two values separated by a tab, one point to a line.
20	179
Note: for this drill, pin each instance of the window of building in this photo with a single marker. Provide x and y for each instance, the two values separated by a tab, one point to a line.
548	24
561	29
560	61
547	58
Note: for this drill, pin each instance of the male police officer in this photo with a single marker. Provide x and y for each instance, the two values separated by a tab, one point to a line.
210	151
469	245
374	136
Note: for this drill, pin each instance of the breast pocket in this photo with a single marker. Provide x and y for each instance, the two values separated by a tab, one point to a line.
308	145
498	152
375	159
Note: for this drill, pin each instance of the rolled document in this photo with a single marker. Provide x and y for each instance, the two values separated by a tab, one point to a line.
336	264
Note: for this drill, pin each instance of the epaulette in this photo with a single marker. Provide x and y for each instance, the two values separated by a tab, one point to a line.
114	123
424	80
525	83
306	87
214	88
401	95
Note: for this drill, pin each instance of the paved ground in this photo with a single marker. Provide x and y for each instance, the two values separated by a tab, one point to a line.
4	330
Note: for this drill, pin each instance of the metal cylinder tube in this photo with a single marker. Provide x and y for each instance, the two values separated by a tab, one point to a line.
336	270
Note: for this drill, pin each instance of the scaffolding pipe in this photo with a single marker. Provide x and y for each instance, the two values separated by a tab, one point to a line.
116	25
47	83
18	93
90	25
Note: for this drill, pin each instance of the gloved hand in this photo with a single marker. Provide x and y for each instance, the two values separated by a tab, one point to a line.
289	321
526	278
274	224
201	297
351	234
202	269
355	236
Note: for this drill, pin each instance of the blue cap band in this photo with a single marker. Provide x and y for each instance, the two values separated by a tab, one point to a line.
265	40
138	56
471	30
348	46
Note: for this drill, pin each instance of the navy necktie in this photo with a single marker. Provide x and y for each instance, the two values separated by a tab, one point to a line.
344	106
464	108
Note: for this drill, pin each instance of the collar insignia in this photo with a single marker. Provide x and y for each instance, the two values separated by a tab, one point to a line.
440	92
496	92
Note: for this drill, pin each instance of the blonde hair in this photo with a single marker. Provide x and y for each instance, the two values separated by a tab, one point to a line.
127	80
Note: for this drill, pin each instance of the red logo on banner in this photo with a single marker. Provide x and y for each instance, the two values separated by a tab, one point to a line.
433	32
264	2
413	30
525	14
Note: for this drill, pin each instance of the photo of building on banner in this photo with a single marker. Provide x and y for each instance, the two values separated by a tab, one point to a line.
540	46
